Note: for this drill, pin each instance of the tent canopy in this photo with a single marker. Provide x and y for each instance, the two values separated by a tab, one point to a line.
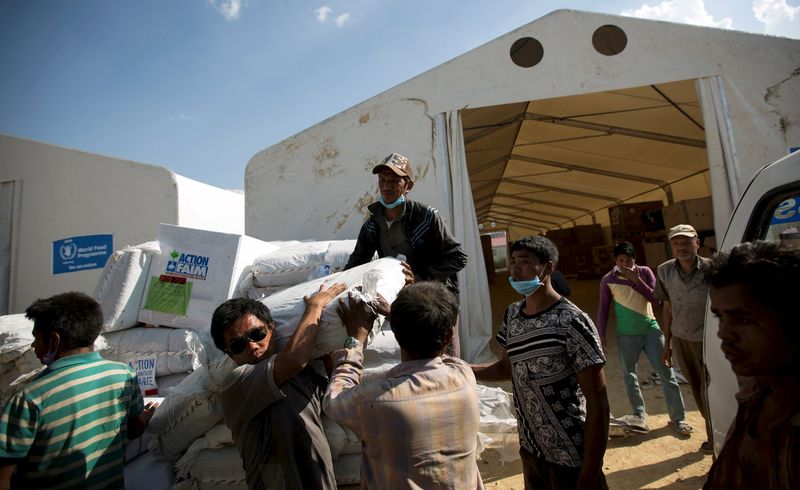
545	164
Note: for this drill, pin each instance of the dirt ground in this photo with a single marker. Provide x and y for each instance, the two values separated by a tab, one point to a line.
658	459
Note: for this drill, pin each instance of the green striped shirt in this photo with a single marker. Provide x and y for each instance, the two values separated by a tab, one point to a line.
67	427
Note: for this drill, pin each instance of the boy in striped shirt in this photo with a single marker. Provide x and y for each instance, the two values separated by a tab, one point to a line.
67	428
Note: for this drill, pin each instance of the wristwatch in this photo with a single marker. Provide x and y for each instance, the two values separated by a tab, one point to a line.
352	343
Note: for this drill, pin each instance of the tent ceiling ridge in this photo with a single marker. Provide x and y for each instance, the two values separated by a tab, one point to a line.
581	168
610	130
561	189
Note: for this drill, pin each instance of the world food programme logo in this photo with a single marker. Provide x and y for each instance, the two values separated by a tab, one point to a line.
67	251
188	265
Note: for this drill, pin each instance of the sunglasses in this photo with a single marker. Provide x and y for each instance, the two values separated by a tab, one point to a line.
255	335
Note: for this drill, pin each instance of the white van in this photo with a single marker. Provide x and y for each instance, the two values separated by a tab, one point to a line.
768	210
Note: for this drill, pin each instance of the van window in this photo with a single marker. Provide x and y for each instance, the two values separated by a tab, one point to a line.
777	218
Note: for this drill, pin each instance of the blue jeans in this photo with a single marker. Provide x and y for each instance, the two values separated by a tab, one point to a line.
629	347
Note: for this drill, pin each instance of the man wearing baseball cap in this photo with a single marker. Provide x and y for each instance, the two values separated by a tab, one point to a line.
681	287
414	232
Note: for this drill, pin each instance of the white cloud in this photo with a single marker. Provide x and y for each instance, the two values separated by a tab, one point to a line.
341	19
779	18
323	13
230	9
182	117
683	11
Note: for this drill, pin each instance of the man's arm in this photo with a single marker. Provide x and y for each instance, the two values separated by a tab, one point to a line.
593	385
137	424
666	327
499	370
7	468
349	365
295	356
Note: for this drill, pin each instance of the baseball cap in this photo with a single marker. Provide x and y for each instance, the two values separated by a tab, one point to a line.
682	230
398	164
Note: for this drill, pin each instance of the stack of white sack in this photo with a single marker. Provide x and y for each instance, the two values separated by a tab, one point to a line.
294	264
162	356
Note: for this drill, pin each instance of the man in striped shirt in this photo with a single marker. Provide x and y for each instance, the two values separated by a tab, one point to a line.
67	428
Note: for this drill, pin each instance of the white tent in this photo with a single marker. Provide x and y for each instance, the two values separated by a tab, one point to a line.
63	212
545	127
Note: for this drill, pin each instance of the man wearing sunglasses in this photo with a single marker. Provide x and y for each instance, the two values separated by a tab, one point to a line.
272	400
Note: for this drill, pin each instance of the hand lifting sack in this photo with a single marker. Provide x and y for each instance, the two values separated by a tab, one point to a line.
288	306
121	286
296	264
176	350
189	410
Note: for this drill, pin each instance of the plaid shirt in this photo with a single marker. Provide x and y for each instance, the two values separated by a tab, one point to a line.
418	422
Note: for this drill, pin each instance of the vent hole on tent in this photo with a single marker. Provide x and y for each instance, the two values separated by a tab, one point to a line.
526	52
609	40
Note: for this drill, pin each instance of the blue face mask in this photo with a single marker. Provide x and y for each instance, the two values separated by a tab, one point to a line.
525	288
400	200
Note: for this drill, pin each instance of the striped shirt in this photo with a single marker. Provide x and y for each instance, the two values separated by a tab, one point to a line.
547	350
67	427
632	303
418	422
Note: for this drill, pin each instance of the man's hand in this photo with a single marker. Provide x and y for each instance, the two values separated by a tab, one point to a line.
356	316
324	295
381	306
136	426
631	275
667	358
410	278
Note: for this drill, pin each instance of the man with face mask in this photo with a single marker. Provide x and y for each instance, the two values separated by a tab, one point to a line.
68	426
409	230
552	354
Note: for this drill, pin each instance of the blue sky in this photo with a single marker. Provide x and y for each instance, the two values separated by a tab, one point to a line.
200	86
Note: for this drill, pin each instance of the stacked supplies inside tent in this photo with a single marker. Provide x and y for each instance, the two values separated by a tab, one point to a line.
294	264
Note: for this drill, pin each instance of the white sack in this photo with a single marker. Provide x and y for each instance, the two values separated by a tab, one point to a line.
347	469
498	424
189	410
215	469
299	263
119	290
16	336
287	307
176	350
219	436
136	447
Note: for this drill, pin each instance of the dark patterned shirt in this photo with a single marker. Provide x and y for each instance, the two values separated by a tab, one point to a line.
546	351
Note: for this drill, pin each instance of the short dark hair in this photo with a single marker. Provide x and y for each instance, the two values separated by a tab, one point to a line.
544	248
768	269
76	317
230	311
626	248
423	316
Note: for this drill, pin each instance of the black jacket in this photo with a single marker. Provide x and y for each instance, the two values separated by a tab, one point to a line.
436	255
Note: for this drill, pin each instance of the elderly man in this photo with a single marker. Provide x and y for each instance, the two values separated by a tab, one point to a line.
753	291
680	286
67	427
418	423
412	231
272	400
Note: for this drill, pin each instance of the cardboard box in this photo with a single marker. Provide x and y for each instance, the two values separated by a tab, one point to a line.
636	217
196	271
655	254
589	235
700	213
561	237
696	212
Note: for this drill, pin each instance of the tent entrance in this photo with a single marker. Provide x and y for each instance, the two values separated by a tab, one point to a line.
556	163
